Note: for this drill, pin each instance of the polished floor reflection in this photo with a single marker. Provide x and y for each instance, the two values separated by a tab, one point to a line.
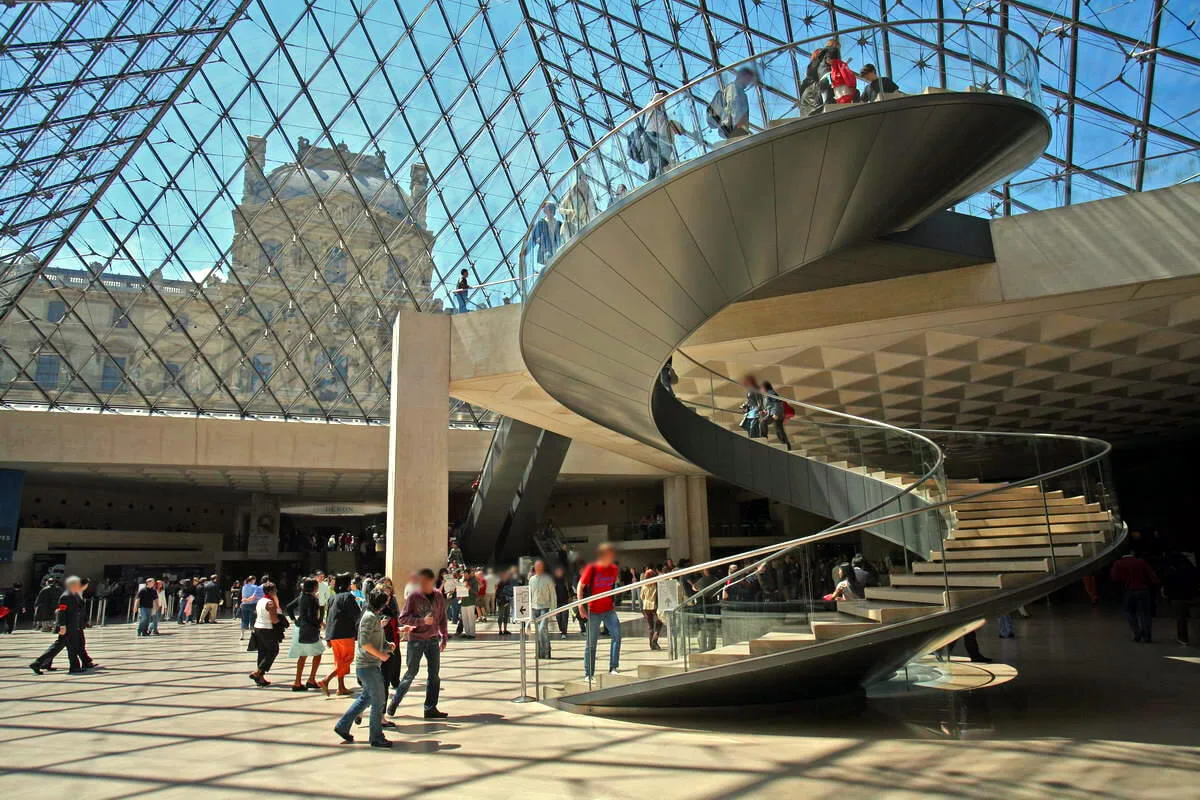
1090	714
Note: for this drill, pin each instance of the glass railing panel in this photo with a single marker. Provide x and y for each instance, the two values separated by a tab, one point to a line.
754	95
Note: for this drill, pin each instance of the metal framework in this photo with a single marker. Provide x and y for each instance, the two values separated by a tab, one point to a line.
217	206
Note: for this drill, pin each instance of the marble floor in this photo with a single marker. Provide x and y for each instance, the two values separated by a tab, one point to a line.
1088	715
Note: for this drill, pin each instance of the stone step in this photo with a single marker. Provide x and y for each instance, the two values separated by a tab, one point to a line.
780	642
1033	526
926	594
974	542
1056	510
722	655
1066	523
1027	565
884	612
825	631
989	553
607	681
992	502
999	580
985	581
660	670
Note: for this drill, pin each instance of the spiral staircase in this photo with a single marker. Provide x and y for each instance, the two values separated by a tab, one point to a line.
988	521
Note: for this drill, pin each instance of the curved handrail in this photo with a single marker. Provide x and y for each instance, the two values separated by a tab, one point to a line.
840	528
1084	441
891	27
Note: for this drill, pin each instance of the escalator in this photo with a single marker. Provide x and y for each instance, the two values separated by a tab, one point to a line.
518	475
986	521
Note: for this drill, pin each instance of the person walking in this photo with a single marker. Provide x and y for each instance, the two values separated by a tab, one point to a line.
306	641
1134	574
542	597
147	599
424	617
160	607
504	597
598	577
68	624
341	633
371	652
777	411
211	594
264	640
649	597
324	594
251	594
562	596
45	603
468	596
460	292
1180	580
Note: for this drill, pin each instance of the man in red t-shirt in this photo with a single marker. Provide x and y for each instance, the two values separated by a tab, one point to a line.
598	577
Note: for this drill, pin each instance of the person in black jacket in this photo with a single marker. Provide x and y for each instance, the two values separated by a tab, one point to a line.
306	641
45	602
68	623
341	632
212	594
562	596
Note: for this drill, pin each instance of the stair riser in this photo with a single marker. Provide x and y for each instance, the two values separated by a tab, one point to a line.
1036	510
1034	565
1023	541
997	554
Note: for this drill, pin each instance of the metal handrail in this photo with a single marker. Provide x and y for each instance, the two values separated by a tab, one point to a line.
751	60
1084	441
841	528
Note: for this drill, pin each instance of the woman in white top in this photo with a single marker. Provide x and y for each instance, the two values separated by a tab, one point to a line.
265	636
848	588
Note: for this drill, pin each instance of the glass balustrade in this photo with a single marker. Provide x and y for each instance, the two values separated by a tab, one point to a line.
774	88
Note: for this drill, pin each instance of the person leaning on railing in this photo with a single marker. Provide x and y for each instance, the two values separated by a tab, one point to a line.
876	84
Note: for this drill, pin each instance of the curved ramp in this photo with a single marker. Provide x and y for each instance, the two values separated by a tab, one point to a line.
623	294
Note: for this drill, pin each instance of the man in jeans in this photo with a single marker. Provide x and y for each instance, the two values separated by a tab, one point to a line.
372	651
425	611
251	594
147	599
598	577
541	600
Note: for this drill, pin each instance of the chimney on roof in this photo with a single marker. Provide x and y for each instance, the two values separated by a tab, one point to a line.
418	188
256	160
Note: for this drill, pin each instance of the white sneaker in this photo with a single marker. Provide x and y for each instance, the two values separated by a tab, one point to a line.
614	672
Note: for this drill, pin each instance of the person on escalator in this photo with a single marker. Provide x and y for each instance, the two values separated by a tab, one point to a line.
729	110
840	82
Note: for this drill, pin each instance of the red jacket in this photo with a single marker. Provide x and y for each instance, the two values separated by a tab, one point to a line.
1134	574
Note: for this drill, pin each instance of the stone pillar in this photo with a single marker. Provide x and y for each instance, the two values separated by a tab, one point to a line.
697	505
676	511
418	440
11	481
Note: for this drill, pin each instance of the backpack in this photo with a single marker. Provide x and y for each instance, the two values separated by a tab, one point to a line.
843	81
788	411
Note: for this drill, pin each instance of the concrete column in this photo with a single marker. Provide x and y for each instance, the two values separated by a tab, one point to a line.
676	511
697	505
11	481
418	444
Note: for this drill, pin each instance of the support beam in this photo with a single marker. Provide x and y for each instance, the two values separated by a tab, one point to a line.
675	503
418	440
698	530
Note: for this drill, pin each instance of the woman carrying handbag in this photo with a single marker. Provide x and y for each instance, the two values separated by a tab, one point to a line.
269	625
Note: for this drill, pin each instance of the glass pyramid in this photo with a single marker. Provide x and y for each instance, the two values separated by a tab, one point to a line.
217	207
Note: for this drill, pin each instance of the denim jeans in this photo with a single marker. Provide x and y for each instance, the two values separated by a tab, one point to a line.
144	617
1005	623
542	632
373	694
431	650
460	300
452	610
247	616
613	625
154	617
1139	604
182	616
